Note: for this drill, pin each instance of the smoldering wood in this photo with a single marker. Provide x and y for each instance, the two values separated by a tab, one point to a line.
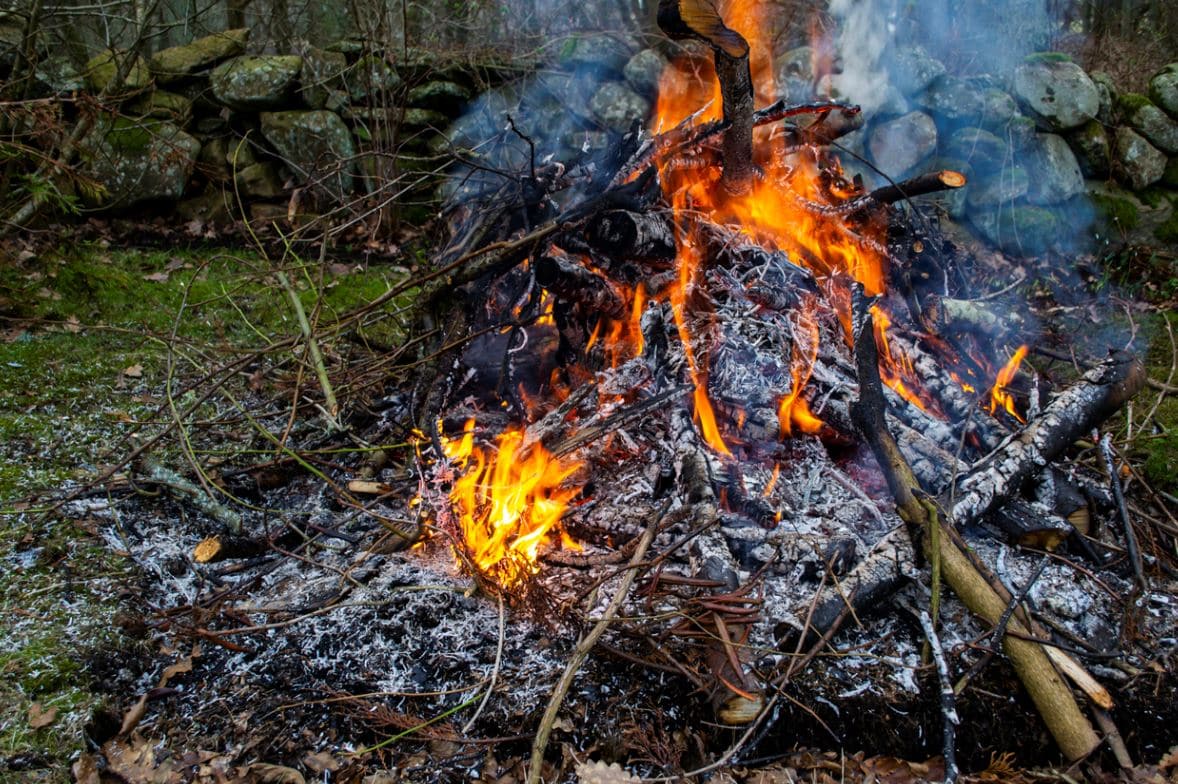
736	92
949	315
646	236
1072	414
573	282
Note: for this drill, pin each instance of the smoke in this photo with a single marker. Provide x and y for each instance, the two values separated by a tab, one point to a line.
866	29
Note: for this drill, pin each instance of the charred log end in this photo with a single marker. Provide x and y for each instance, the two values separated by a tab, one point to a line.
1125	376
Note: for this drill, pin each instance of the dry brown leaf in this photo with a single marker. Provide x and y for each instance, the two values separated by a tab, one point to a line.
321	761
135	761
173	670
85	770
158	277
134	371
133	716
39	717
274	774
600	773
73	325
207	549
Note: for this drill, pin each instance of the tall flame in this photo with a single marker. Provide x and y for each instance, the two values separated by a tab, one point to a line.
999	397
509	502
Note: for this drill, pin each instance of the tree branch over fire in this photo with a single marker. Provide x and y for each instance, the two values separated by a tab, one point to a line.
700	20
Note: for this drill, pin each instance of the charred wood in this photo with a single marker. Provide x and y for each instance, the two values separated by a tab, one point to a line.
1071	415
646	236
946	315
573	282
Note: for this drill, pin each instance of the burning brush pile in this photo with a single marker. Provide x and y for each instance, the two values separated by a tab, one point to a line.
718	393
706	417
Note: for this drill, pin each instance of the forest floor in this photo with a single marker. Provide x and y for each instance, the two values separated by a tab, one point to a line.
102	347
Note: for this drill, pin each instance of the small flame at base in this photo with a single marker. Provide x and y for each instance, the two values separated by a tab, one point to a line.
509	503
999	397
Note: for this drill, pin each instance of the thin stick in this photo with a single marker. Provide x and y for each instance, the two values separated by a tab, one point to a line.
948	699
1106	450
466	728
332	411
581	652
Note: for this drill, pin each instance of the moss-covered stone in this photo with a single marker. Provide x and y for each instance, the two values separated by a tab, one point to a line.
372	79
1151	122
213	160
1163	90
323	77
1170	175
1018	229
259	181
1167	232
446	97
1137	163
178	62
315	145
601	53
1090	143
56	74
1115	212
138	161
1000	187
1048	57
102	69
250	83
162	105
1108	92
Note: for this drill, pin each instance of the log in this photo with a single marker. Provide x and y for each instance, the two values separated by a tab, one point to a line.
643	236
1051	695
947	315
699	20
573	282
1071	415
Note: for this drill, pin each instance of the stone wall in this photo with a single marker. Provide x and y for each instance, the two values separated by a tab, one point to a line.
1056	157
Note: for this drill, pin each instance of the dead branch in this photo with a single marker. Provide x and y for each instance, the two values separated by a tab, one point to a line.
1050	693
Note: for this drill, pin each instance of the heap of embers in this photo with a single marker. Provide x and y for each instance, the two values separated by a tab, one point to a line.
667	341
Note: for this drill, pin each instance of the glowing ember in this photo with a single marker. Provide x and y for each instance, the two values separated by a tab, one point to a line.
999	397
509	503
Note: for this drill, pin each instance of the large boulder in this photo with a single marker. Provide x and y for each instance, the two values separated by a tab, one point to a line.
56	74
644	70
1107	89
1163	90
255	82
616	106
953	101
315	145
371	80
999	187
1057	92
1156	126
1055	172
162	105
138	161
449	98
913	70
322	79
177	62
102	68
259	181
1017	229
900	145
1138	163
600	53
985	152
998	108
1090	142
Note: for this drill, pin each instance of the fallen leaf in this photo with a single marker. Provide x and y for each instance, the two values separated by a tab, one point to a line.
207	549
39	717
178	668
158	277
135	371
274	774
73	325
320	762
133	716
85	770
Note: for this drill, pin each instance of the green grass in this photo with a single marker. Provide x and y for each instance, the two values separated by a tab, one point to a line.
83	364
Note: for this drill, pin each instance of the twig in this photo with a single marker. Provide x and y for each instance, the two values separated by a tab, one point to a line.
466	728
949	716
1106	451
332	411
581	652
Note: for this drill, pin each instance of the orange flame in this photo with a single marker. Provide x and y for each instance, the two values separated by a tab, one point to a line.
509	503
999	397
793	410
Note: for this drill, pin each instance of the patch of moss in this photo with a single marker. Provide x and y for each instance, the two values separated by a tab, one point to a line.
1167	233
1048	57
1115	211
1131	102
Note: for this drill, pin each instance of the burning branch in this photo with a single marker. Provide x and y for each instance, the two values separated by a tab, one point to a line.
1050	693
699	20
